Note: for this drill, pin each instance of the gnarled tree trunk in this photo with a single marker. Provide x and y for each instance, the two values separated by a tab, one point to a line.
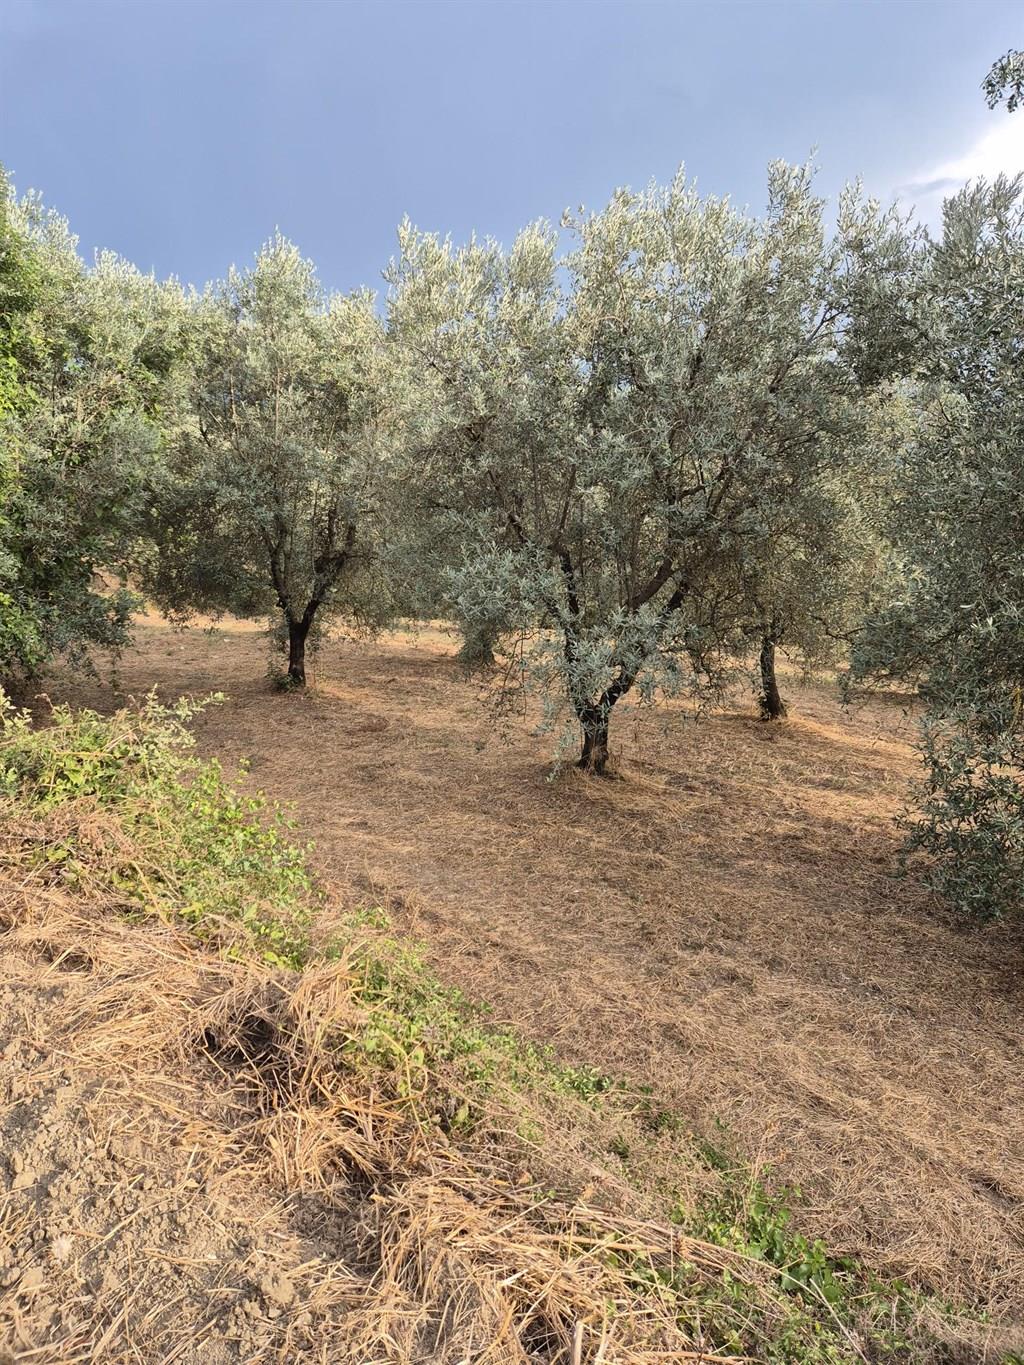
328	567
772	705
297	632
594	757
594	716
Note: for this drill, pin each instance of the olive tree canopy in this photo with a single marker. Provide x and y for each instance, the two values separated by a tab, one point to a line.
87	359
957	623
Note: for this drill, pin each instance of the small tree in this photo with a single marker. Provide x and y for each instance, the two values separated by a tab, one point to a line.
807	588
271	502
606	437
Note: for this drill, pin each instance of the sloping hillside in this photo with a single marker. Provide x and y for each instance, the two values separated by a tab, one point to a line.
724	925
227	1141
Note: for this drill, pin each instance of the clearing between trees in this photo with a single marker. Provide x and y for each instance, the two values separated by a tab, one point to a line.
722	926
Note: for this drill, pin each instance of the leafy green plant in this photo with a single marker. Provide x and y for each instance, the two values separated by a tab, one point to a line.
199	850
748	1219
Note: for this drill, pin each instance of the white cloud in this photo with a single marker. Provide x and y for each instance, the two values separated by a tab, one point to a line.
1001	148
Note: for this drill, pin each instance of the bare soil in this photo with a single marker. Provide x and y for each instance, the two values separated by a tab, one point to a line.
723	923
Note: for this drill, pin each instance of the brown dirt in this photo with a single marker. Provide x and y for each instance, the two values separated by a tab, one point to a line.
723	924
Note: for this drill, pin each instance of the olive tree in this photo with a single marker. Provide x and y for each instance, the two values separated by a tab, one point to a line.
958	623
606	435
952	514
271	501
19	292
807	586
86	360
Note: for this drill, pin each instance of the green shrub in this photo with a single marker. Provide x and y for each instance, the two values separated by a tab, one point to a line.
969	816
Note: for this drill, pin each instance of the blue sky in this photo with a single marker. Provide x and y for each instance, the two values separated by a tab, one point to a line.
181	134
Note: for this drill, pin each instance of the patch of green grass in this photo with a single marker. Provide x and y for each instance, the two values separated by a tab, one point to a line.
745	1217
429	1029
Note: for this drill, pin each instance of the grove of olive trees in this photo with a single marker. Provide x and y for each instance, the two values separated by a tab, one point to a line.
632	456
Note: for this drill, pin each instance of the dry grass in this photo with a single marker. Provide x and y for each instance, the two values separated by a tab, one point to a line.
722	925
196	1174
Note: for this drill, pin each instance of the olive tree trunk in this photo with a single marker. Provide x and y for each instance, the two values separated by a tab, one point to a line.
297	633
594	756
772	705
594	719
